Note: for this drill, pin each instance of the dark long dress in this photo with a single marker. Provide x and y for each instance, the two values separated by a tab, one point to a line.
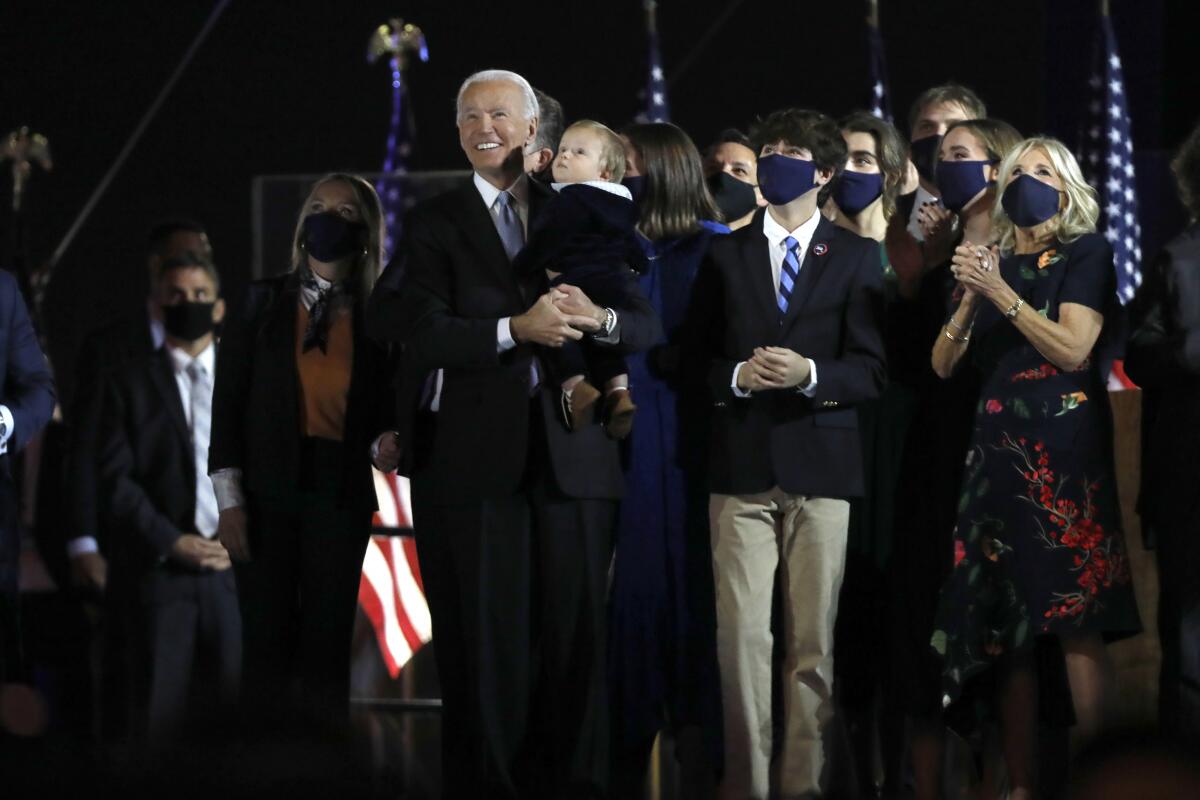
1038	547
662	652
927	491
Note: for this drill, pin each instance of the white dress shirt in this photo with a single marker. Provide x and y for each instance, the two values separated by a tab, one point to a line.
7	418
200	427
776	249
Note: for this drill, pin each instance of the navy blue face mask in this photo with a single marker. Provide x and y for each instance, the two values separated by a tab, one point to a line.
854	191
959	181
1029	202
924	156
636	184
782	179
330	237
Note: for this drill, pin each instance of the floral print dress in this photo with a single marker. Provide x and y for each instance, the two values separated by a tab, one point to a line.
1038	548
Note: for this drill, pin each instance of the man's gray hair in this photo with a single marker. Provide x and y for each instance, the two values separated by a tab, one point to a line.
531	103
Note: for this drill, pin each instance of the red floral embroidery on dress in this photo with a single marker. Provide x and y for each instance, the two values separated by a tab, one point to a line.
960	551
994	406
1044	371
1098	561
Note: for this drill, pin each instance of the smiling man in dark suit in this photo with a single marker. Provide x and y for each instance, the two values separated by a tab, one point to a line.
514	514
154	473
785	326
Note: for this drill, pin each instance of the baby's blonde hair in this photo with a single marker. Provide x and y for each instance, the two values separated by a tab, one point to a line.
612	150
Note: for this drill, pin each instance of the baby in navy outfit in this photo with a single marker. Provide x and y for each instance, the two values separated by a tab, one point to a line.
585	236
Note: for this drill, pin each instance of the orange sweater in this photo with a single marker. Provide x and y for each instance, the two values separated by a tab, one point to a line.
325	377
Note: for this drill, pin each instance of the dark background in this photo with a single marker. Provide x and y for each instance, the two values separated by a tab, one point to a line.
285	88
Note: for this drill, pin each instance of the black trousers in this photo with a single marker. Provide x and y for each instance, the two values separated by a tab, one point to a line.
298	596
516	588
192	640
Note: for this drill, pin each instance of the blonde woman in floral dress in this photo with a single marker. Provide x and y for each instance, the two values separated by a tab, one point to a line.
1038	545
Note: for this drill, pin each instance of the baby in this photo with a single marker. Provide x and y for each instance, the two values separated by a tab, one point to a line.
585	237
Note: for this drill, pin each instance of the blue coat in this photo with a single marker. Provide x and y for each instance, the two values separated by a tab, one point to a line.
27	389
662	649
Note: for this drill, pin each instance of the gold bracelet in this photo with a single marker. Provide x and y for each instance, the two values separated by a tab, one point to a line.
956	339
1014	308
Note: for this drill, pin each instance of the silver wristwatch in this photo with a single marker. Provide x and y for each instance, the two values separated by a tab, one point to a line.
610	322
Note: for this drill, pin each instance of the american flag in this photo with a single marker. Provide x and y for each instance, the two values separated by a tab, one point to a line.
1107	145
880	106
656	87
391	592
399	147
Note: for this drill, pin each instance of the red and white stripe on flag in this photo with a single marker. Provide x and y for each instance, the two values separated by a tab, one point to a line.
391	592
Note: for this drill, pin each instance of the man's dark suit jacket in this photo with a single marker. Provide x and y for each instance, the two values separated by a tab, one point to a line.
256	400
781	437
1163	357
28	390
442	298
25	383
103	352
147	463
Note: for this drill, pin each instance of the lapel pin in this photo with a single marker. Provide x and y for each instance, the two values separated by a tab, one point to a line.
820	249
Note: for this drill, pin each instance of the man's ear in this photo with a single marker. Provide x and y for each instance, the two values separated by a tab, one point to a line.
544	157
218	311
824	176
533	126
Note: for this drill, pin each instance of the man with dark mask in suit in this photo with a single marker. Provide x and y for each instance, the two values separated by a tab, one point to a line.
154	458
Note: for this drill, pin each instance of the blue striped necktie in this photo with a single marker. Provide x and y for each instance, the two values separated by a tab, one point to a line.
788	272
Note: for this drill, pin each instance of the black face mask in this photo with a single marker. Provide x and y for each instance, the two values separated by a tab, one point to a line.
330	237
188	321
735	198
924	157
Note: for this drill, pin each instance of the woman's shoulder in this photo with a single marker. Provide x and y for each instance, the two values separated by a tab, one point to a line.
1089	245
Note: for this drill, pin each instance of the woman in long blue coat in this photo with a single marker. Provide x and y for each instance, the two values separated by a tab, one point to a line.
663	668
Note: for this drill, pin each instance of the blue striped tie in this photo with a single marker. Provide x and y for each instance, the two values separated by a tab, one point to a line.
789	271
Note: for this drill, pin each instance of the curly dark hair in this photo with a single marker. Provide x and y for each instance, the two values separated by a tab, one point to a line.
1186	168
814	131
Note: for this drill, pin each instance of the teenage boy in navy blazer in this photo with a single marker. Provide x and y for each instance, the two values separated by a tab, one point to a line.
786	326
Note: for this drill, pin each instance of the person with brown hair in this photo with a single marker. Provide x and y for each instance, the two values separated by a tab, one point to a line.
929	117
731	166
662	662
784	336
300	395
863	201
187	645
931	467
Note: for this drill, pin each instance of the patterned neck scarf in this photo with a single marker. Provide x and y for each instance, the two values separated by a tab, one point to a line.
320	297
